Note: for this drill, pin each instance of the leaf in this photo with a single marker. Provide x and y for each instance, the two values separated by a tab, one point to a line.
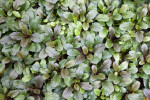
16	4
78	96
42	54
15	49
40	12
126	80
85	50
106	65
49	6
17	14
135	86
108	87
68	46
148	58
97	92
123	65
79	73
56	80
135	97
13	93
6	40
86	86
51	96
18	66
20	97
72	52
64	73
126	26
70	64
116	96
19	84
67	93
103	33
36	38
79	59
85	26
102	18
147	93
2	19
39	81
144	48
96	27
128	14
146	69
68	16
51	52
36	66
125	74
26	78
101	76
2	97
94	69
139	36
93	13
116	47
57	29
13	75
23	26
117	17
16	35
144	12
52	1
24	42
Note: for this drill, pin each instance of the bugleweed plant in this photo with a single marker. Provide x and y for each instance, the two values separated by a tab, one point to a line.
74	50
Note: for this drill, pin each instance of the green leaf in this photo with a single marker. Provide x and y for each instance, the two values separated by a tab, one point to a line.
135	86
86	86
117	17
102	18
106	65
2	97
26	78
72	52
70	64
42	54
19	84
56	80
126	26
36	66
103	33
139	36
96	27
85	26
20	97
17	14
135	97
93	13
79	73
13	93
97	92
123	65
128	14
108	87
146	69
51	96
67	93
51	52
68	16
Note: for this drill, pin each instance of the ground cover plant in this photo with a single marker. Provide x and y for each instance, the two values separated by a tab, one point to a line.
74	50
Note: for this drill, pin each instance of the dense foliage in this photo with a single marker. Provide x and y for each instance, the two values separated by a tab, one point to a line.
74	50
